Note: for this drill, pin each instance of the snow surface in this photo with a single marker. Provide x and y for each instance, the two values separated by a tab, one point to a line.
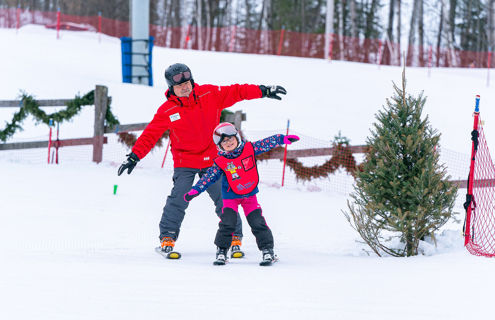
72	250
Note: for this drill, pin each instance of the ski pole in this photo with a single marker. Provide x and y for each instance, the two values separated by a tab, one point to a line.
285	154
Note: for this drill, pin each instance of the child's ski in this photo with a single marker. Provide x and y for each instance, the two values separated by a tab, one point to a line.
268	261
219	262
169	255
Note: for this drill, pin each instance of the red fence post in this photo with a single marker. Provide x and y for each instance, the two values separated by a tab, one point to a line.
187	36
58	23
18	17
50	123
232	39
380	51
488	64
331	47
99	26
57	143
430	56
280	41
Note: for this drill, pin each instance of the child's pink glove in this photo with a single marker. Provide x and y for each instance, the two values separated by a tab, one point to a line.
290	138
191	195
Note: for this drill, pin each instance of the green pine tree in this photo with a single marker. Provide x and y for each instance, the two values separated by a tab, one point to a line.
402	193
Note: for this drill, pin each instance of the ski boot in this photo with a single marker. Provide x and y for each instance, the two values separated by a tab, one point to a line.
268	257
167	248
235	247
221	257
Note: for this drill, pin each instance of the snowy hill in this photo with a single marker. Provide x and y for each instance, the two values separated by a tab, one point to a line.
73	250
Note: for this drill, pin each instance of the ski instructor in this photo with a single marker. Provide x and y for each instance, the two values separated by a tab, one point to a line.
191	112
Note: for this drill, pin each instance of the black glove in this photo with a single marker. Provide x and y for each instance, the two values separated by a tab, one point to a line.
129	164
272	91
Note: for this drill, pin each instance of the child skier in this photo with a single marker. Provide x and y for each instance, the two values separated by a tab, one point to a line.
237	163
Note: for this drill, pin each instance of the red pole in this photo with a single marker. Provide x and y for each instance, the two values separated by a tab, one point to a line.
99	26
166	151
467	229
49	139
58	23
232	39
331	47
285	154
380	49
488	68
430	56
280	41
18	17
187	36
57	143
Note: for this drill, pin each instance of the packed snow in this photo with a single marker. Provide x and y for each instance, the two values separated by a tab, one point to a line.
71	249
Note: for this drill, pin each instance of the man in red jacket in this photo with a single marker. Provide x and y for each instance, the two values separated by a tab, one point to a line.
191	112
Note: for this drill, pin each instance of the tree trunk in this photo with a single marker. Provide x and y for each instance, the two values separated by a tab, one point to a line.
199	23
390	28
440	31
412	33
421	34
352	9
329	28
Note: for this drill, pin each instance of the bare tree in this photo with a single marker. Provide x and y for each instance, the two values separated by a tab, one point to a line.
391	14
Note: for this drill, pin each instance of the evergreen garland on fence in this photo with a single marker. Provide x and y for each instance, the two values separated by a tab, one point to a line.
29	106
341	157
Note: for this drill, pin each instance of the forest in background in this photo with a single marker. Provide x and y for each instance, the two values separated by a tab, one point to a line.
466	25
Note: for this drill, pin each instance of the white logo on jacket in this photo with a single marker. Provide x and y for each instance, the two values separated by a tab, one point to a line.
174	117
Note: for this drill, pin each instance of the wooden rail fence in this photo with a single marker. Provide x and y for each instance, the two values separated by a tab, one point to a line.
101	100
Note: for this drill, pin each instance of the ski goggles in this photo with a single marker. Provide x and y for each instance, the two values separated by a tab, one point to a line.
182	77
223	132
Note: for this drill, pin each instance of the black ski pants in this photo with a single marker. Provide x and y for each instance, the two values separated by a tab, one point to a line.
229	220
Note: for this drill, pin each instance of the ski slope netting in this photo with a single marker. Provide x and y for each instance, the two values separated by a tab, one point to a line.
482	225
273	42
340	181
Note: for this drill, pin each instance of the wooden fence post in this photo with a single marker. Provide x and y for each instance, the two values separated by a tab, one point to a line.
101	101
238	119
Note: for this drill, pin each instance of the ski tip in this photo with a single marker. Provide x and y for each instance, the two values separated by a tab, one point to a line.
237	255
173	255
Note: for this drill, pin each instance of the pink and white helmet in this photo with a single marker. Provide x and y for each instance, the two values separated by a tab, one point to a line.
223	130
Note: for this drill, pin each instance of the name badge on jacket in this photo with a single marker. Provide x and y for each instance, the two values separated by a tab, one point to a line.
174	117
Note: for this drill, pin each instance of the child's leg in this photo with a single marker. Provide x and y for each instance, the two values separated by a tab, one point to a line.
263	234
227	224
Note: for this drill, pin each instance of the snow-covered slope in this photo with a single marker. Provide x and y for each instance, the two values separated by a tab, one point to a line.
72	250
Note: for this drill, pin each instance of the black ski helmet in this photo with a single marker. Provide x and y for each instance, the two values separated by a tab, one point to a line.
178	73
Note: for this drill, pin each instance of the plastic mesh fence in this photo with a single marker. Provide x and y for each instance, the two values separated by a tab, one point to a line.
275	42
313	176
481	228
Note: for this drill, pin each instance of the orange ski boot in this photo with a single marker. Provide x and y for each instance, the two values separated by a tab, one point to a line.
235	247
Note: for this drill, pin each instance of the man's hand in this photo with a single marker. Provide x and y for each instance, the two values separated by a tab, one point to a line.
191	195
129	164
290	138
272	91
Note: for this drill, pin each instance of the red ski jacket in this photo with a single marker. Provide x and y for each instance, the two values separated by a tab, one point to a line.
191	122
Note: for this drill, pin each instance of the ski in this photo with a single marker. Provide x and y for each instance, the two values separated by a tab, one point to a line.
236	252
268	262
174	255
219	262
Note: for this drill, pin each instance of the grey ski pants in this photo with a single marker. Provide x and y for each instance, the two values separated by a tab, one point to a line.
175	207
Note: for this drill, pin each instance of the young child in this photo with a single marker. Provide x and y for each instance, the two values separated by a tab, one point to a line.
237	164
